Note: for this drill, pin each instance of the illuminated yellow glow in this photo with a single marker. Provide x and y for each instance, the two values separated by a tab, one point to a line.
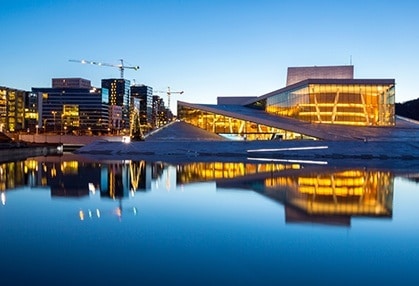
198	171
70	167
345	192
237	128
359	105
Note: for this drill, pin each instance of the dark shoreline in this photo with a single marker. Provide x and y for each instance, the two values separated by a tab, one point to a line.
22	151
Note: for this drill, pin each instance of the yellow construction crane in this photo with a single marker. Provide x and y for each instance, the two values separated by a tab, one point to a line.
121	66
169	93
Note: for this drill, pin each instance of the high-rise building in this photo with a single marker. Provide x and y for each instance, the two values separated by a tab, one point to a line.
159	113
145	95
31	111
119	95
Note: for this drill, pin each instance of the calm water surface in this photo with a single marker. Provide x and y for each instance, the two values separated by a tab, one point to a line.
68	221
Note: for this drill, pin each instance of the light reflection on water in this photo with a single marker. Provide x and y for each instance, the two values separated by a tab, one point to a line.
70	221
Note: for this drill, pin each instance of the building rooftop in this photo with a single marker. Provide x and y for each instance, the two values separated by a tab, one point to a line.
297	74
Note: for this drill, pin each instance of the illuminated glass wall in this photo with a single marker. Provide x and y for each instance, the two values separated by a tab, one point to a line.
350	104
12	109
234	128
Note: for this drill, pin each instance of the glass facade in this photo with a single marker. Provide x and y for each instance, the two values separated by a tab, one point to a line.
145	95
73	110
31	111
348	104
119	95
234	128
325	98
12	109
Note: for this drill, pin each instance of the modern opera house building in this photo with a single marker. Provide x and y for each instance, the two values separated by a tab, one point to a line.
320	102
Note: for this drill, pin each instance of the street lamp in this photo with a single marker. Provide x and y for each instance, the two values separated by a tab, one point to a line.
62	122
54	113
45	129
36	127
45	125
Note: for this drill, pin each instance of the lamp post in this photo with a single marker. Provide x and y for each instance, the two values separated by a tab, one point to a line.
45	129
36	128
54	113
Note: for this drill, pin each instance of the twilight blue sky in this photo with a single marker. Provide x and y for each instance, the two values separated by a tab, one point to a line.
208	48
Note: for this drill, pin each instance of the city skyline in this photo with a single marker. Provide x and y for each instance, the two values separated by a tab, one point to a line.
207	48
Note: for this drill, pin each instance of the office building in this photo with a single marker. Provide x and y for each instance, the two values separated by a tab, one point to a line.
31	111
12	109
80	108
145	96
119	95
160	114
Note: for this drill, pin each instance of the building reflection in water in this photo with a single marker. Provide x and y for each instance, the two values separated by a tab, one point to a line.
75	177
333	197
309	194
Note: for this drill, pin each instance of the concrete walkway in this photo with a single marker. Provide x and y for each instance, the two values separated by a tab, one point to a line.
181	142
181	131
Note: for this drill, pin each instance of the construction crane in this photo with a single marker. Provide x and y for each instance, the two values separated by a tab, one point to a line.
169	93
121	66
